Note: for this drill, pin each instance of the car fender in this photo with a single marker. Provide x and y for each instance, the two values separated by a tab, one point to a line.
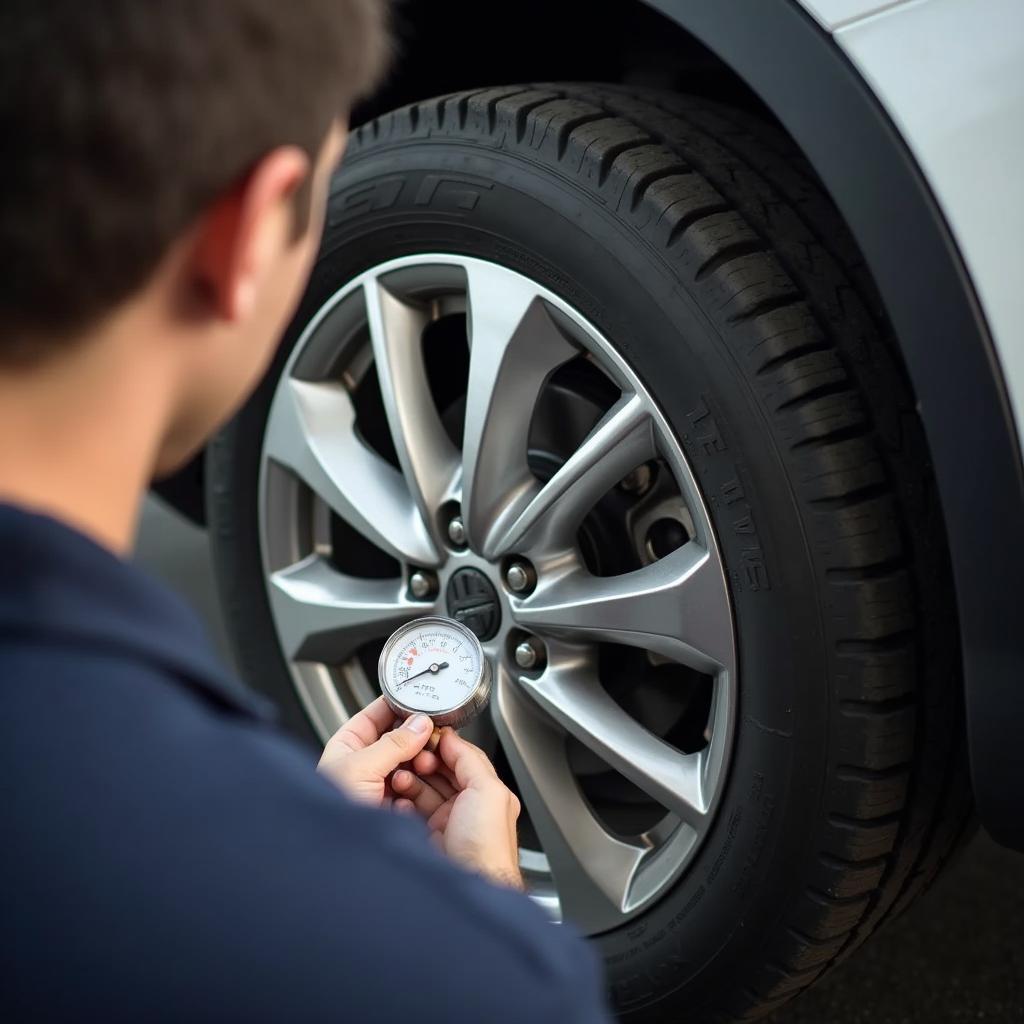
879	97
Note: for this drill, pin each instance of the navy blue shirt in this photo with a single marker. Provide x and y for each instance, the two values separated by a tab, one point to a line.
168	854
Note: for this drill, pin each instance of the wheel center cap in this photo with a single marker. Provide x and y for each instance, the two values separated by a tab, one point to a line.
473	601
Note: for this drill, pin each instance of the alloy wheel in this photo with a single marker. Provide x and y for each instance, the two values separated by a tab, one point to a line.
450	437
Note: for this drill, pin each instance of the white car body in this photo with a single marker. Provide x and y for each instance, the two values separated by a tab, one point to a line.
950	74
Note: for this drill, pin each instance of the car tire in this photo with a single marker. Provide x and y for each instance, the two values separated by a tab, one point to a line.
700	243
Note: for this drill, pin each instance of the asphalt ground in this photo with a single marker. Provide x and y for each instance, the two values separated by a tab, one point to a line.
957	955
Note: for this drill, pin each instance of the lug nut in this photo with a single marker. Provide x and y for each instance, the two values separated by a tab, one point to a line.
638	480
519	578
457	531
422	584
528	654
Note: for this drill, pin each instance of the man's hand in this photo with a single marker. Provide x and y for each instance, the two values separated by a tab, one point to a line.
362	754
469	810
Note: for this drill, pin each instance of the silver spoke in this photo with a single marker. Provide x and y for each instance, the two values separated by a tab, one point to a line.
676	606
578	702
592	869
311	431
515	345
322	615
621	441
426	454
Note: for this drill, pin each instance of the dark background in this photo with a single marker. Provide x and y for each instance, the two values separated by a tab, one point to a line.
956	955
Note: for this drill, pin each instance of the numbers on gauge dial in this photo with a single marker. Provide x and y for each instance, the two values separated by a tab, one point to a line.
433	670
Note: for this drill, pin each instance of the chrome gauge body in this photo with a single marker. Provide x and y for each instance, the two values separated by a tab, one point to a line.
437	666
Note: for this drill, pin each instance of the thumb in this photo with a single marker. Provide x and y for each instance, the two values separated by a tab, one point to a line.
393	748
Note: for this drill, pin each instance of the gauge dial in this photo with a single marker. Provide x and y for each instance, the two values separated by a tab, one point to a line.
437	666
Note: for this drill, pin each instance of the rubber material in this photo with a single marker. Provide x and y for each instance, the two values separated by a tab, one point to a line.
803	77
184	490
695	238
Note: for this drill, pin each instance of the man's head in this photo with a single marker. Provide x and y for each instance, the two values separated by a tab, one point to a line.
169	161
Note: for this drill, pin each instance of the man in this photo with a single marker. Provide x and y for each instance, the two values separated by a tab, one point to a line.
166	852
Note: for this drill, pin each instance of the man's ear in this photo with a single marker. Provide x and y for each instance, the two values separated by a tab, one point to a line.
241	232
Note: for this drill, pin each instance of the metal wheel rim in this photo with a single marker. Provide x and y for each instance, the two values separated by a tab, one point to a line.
314	462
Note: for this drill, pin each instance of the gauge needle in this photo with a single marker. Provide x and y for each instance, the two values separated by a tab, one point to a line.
435	668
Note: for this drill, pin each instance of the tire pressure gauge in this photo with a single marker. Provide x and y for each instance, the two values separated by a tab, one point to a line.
437	666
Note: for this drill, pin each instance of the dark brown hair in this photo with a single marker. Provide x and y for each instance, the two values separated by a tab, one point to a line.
121	119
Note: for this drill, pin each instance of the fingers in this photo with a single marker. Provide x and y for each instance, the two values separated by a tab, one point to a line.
416	791
428	763
393	748
366	727
430	767
443	784
438	821
425	763
468	763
